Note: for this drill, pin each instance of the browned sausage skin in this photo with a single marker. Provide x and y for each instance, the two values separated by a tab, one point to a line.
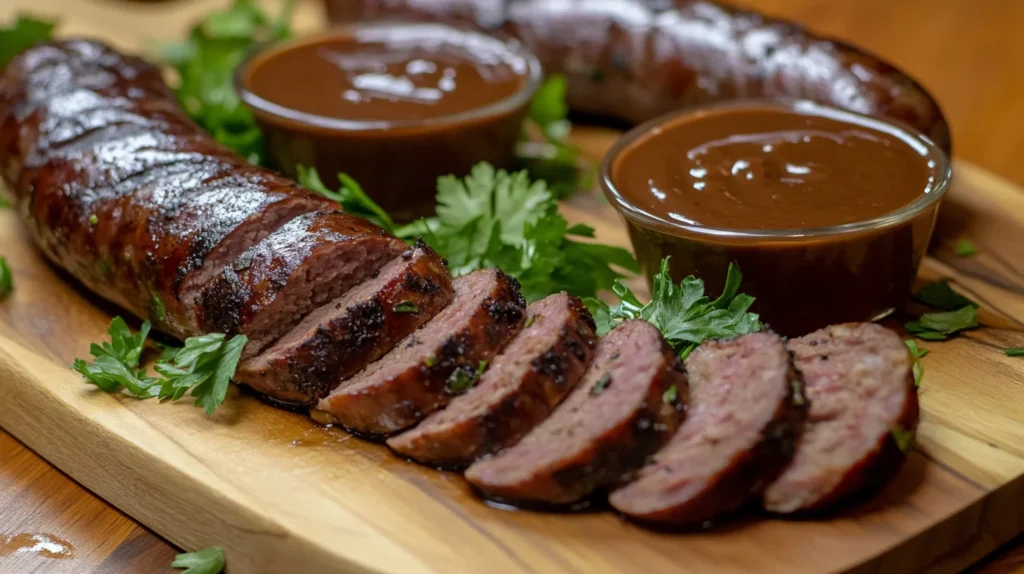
860	384
636	59
745	413
120	188
433	364
617	416
345	335
520	388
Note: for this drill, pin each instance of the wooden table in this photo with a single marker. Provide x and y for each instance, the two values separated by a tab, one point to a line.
966	52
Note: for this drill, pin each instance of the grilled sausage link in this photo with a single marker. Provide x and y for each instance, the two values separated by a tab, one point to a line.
636	59
121	189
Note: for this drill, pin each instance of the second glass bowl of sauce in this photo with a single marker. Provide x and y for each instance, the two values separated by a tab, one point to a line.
828	213
393	105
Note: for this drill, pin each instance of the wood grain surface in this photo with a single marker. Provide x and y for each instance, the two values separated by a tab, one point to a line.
966	52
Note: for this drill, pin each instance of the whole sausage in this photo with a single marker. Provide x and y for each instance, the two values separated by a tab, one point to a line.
121	189
636	59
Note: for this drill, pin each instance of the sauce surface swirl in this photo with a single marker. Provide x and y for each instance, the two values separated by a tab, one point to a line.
383	73
773	166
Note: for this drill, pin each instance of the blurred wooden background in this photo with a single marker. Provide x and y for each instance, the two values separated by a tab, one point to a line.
969	53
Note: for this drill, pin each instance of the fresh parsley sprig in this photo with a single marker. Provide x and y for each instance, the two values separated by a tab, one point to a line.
204	365
6	278
350	196
918	353
544	150
206	561
683	313
205	64
493	218
25	32
959	313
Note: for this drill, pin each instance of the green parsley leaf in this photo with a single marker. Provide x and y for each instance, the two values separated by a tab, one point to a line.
205	365
116	362
406	307
22	35
939	294
671	395
206	561
350	196
939	326
917	353
601	384
683	313
904	438
463	378
1014	352
493	218
965	248
553	158
6	278
205	64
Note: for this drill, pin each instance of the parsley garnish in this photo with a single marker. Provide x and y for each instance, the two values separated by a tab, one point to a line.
965	248
939	326
406	307
6	278
671	395
961	313
206	63
463	378
350	196
601	384
493	218
553	158
904	438
1014	352
94	219
205	365
22	35
683	314
917	353
116	362
939	294
206	561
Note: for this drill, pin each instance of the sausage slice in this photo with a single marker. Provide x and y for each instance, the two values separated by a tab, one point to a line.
745	412
435	363
343	336
520	388
604	429
307	262
861	389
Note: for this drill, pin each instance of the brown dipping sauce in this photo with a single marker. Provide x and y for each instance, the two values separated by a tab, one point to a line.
828	213
392	105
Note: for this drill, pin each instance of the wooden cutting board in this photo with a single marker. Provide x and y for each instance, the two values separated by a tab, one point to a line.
283	495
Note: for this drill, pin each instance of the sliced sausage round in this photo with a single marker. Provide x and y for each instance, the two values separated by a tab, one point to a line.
745	412
616	417
860	385
305	263
442	359
343	336
519	389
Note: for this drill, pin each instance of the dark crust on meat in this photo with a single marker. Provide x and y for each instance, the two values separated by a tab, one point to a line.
344	345
751	469
680	54
552	374
86	131
403	400
884	459
243	291
605	463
